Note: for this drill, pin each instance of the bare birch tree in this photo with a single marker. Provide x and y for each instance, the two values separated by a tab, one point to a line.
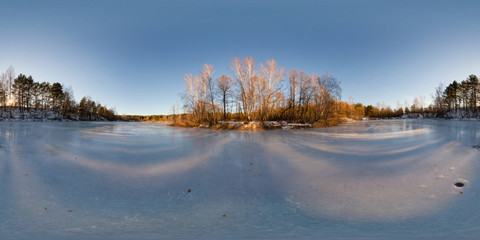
293	77
306	89
327	92
3	90
224	85
10	76
199	96
192	96
271	77
245	76
208	91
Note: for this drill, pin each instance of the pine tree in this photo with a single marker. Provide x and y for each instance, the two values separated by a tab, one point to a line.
56	93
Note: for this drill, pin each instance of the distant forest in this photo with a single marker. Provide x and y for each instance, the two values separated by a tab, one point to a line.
458	100
146	118
25	94
252	93
269	93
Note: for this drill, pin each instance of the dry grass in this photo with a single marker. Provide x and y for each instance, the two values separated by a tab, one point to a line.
331	122
224	127
252	126
185	123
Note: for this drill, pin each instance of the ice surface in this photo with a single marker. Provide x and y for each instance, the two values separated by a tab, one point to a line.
374	179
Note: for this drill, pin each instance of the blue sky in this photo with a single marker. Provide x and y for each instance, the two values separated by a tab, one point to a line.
133	54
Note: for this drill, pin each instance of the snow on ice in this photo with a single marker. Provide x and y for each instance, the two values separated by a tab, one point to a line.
392	179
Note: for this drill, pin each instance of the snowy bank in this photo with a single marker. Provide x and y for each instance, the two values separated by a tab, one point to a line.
392	179
256	125
29	115
460	114
16	114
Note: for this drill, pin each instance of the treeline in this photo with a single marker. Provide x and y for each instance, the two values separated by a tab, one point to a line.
147	118
269	93
264	93
381	110
27	94
458	99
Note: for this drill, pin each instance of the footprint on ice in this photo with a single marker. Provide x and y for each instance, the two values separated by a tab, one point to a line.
459	184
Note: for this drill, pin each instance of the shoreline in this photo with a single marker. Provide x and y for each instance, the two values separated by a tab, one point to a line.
253	125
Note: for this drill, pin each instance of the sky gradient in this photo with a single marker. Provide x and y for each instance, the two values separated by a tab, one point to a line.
133	54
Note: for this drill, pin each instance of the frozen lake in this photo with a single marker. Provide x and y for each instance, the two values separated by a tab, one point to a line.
372	179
